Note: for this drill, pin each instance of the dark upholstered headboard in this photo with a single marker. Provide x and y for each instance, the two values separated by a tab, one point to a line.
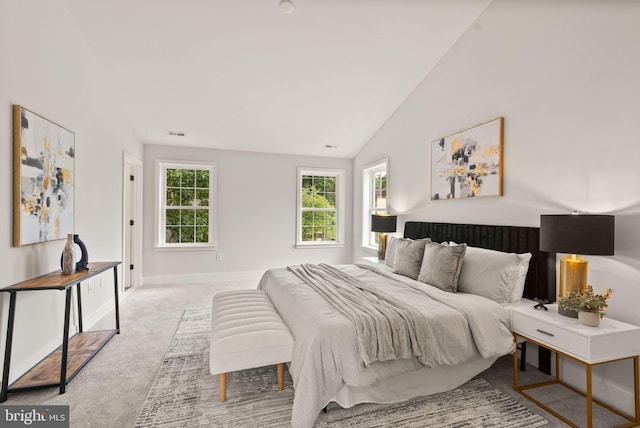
541	278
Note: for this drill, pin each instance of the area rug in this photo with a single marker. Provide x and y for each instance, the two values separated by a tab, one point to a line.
185	394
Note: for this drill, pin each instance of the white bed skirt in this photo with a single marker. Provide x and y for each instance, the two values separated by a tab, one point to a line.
412	384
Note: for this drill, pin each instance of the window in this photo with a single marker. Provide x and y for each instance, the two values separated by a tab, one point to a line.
187	205
320	216
374	183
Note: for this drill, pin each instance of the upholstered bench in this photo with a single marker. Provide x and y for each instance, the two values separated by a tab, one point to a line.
247	332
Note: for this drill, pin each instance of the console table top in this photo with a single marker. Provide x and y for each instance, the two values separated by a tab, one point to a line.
57	281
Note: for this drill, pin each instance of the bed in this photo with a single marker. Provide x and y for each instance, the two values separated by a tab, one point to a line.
458	336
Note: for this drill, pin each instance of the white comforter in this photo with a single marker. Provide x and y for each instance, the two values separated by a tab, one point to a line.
462	327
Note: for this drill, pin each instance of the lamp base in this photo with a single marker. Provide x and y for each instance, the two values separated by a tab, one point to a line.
573	276
382	246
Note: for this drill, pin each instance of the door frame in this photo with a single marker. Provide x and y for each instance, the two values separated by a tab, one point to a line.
133	201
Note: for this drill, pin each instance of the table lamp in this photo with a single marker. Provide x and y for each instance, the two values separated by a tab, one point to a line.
383	224
573	234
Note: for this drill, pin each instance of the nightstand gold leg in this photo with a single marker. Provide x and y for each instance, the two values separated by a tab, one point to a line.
636	377
589	398
515	363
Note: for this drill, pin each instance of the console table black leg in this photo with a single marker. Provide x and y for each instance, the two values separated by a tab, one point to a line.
78	289
65	343
115	288
7	348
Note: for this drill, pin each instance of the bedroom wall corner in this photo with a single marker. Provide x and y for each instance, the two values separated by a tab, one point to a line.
49	69
563	74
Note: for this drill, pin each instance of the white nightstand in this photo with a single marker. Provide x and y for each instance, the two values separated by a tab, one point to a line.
611	341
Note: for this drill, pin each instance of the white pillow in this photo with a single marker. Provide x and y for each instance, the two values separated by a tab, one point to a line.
523	268
496	275
390	254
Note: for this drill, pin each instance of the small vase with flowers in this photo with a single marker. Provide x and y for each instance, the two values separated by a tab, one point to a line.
589	305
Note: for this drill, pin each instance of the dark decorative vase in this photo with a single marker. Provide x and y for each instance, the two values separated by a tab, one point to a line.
68	256
84	260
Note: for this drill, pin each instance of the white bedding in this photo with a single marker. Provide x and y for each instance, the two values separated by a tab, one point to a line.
325	358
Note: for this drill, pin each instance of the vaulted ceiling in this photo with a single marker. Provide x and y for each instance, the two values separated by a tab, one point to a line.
243	75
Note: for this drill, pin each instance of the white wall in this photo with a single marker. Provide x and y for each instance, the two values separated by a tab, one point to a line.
564	74
256	215
47	68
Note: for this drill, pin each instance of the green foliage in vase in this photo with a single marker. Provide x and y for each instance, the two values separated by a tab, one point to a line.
585	302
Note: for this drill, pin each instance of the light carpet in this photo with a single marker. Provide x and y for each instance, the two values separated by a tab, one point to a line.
184	393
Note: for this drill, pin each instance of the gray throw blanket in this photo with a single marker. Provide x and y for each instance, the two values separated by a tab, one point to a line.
386	328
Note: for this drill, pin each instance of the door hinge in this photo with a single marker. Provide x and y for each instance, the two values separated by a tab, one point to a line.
130	222
131	177
130	267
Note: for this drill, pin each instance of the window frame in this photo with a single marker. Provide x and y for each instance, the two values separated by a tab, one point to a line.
339	175
161	205
368	199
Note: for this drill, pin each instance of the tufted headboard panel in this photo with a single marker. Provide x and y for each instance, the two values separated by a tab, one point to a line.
541	278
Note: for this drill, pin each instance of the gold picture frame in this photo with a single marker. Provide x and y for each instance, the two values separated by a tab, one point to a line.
469	163
43	179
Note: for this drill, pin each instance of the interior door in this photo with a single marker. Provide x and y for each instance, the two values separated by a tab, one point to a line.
132	222
129	224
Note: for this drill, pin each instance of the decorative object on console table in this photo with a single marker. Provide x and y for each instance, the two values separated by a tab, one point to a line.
383	224
78	258
572	234
82	263
468	164
43	179
67	262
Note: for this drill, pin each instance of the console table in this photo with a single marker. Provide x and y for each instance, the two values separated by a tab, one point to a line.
61	365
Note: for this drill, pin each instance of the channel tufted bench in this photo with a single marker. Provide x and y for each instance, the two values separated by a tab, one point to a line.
247	332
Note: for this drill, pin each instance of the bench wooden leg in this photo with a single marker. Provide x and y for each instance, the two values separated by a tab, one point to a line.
223	386
280	376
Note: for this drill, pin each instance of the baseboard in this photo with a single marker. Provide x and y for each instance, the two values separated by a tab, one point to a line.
203	277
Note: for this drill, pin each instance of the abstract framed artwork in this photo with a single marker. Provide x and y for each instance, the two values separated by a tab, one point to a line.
468	164
43	179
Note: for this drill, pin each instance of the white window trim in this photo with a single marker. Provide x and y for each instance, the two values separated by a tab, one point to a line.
161	167
339	174
367	200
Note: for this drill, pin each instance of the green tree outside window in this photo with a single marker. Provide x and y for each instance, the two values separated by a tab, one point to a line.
187	206
318	200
